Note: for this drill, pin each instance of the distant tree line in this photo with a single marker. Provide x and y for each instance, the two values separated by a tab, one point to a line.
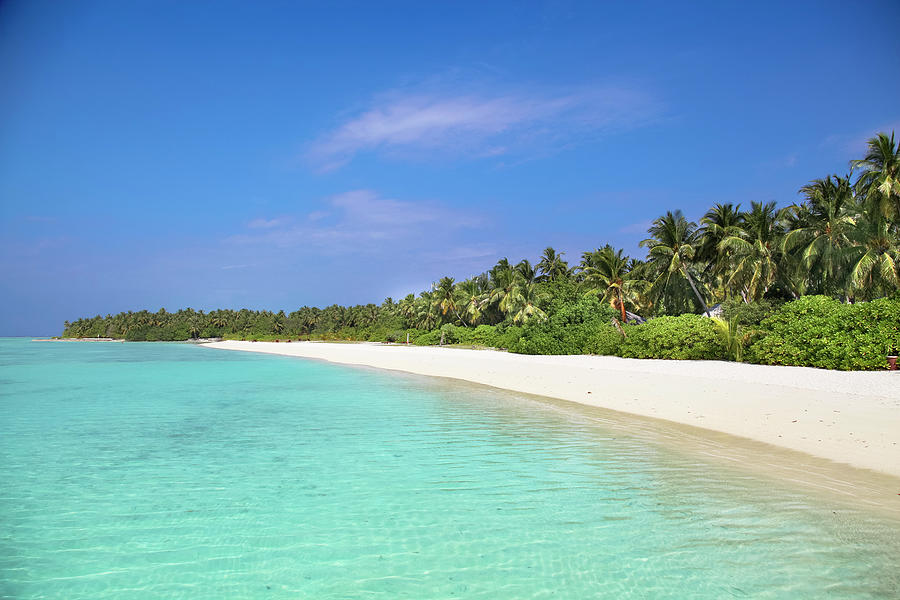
842	241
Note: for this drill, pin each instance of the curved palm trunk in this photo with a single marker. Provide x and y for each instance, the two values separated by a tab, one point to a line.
459	317
622	305
694	287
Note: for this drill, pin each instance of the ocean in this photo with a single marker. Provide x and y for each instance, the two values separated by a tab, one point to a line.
158	470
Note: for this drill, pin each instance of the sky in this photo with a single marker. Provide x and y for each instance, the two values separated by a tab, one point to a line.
271	155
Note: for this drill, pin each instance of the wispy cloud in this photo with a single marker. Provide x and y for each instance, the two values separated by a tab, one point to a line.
265	223
359	220
478	124
855	144
641	227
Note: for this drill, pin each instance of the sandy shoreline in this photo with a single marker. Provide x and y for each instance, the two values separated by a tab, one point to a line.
851	418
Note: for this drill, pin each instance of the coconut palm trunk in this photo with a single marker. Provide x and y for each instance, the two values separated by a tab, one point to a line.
621	304
694	287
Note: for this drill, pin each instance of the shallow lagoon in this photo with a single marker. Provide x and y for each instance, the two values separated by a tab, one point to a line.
167	470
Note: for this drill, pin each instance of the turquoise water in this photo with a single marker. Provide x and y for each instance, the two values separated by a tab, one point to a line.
167	470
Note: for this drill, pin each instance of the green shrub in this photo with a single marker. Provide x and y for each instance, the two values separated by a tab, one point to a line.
485	335
749	315
454	334
583	327
432	338
605	340
691	337
508	337
136	335
817	331
413	335
449	334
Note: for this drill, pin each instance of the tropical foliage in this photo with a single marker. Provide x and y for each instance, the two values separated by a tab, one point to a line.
818	331
841	241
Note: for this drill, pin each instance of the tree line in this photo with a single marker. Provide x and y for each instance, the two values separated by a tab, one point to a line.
842	240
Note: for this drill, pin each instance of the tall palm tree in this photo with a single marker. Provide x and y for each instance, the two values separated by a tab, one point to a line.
369	314
504	282
819	246
426	315
874	259
472	298
754	251
526	271
879	180
719	222
277	325
671	249
552	266
525	301
501	266
407	308
444	298
606	273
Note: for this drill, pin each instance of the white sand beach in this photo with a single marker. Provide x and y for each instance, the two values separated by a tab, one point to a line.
847	417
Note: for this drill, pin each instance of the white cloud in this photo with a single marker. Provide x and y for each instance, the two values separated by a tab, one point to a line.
480	124
360	220
856	144
265	223
641	227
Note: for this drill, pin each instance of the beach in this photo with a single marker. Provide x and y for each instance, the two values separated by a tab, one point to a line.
851	418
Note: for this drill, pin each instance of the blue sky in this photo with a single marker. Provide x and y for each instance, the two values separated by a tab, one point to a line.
276	154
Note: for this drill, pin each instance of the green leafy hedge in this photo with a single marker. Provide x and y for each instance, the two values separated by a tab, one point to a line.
751	314
583	327
817	331
691	337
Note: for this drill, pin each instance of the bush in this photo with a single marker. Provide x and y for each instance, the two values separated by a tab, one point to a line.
413	334
817	331
605	340
508	337
454	334
432	338
580	328
485	335
749	315
686	337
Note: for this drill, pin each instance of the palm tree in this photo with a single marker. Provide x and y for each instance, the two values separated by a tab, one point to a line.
407	309
606	273
524	303
753	251
369	314
829	216
501	266
472	295
278	322
874	259
426	315
552	266
444	298
879	181
719	222
218	320
526	271
672	246
504	280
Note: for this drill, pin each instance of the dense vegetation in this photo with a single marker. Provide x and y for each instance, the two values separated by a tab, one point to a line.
815	283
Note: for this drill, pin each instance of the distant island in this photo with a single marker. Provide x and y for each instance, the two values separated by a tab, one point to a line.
816	284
